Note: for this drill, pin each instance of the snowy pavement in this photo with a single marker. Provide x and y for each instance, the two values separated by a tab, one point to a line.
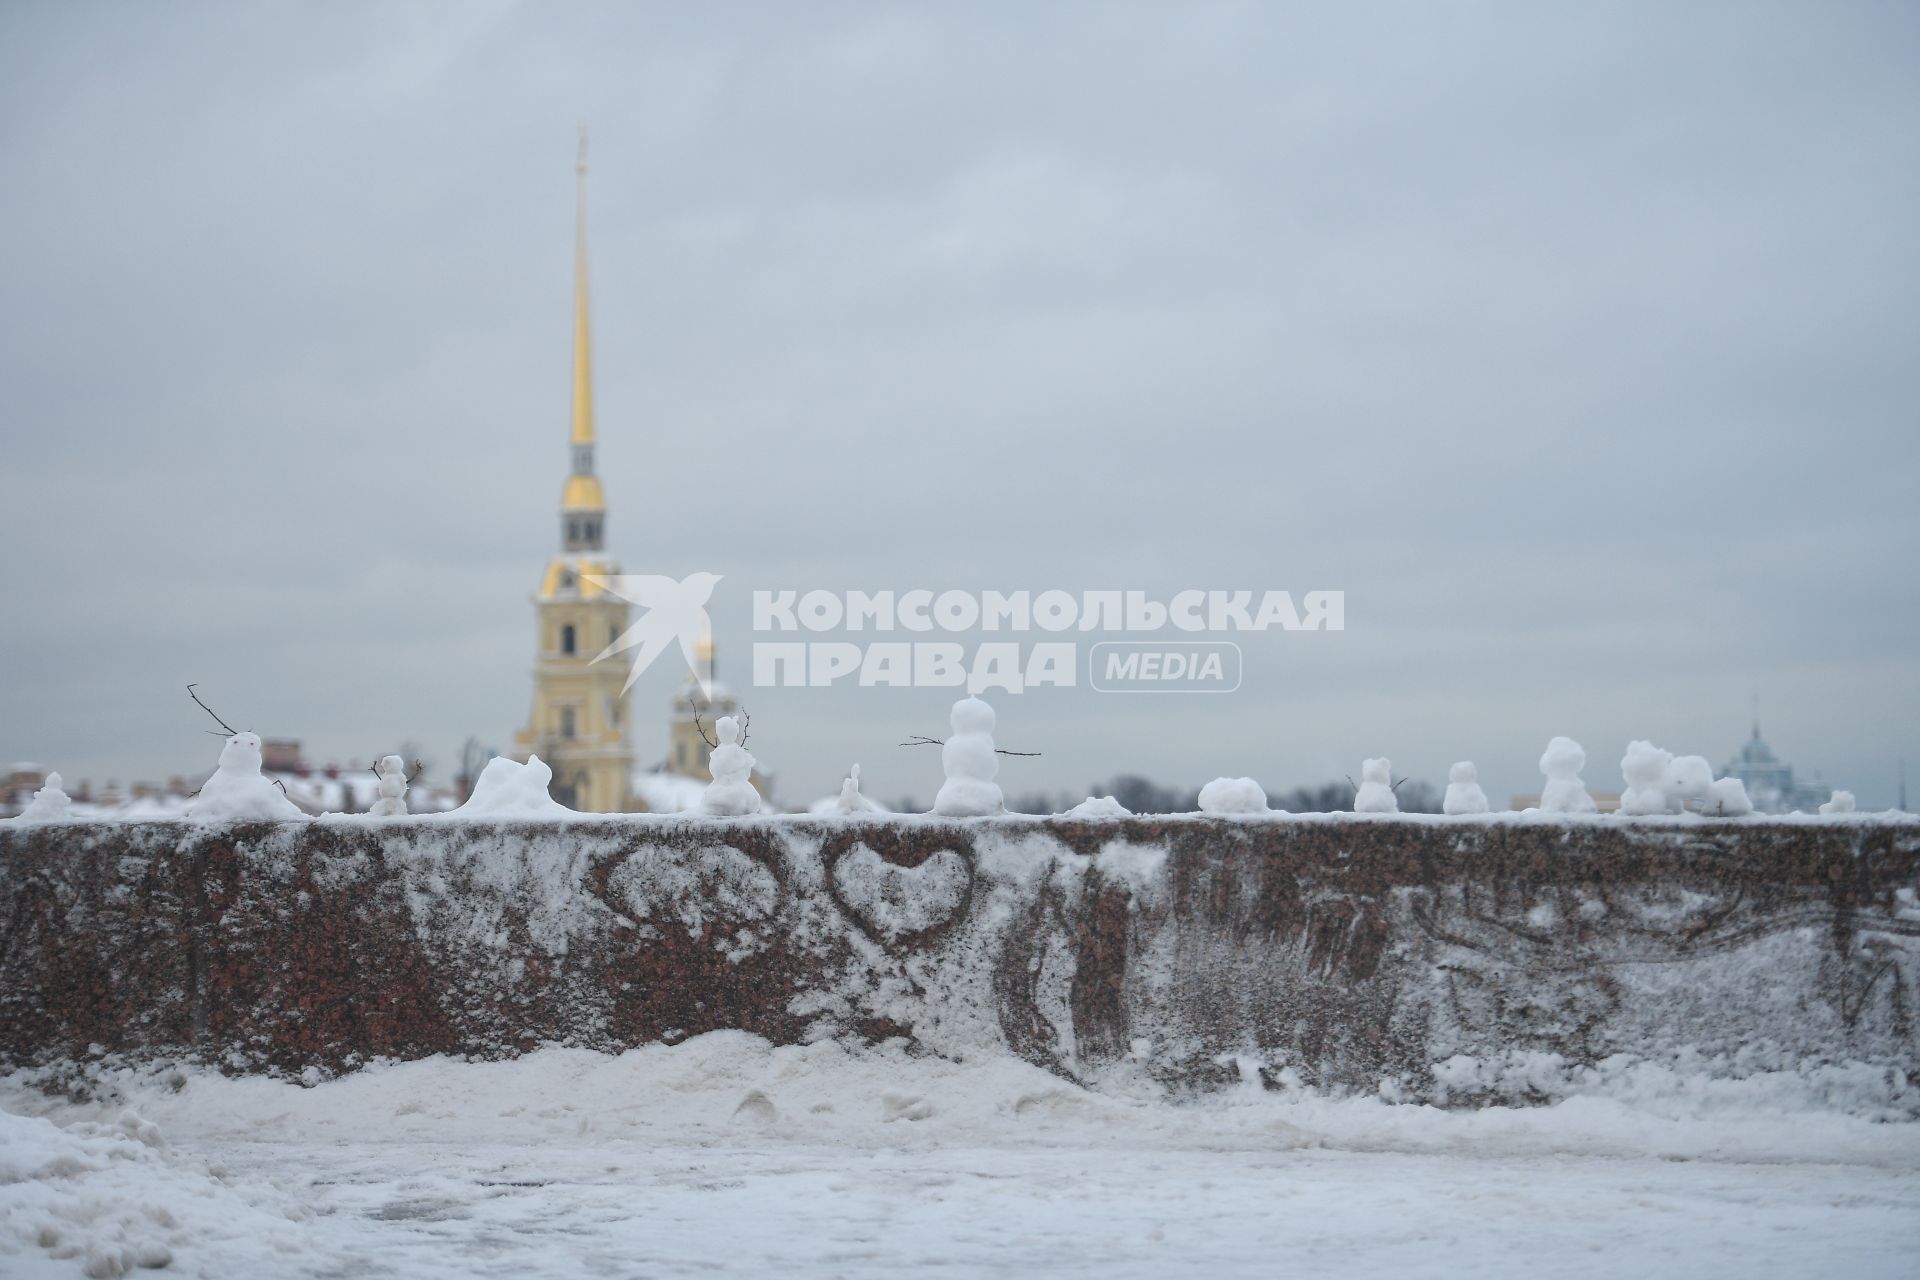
725	1157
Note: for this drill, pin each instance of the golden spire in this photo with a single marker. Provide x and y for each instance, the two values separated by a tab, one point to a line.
582	346
582	508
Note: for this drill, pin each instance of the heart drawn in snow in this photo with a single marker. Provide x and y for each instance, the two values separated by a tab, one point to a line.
896	904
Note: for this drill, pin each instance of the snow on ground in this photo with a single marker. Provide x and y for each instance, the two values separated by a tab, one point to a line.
724	1156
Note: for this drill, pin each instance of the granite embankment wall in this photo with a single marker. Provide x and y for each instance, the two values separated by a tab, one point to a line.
1346	950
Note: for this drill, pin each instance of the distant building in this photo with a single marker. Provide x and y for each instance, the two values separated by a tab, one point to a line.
281	755
1770	782
18	782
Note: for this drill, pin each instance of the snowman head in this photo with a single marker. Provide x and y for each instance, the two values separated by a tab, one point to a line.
971	715
1563	758
1376	770
241	753
1463	773
391	767
1644	764
727	729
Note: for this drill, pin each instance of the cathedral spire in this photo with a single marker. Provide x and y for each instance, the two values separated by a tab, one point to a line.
582	344
582	506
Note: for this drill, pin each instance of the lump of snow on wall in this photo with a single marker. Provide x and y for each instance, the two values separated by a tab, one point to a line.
851	798
1727	798
1098	807
509	789
1233	795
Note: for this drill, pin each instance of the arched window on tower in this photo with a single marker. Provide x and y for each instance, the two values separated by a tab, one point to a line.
566	638
566	722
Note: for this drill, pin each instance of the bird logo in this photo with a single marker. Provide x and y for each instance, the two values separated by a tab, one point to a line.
674	611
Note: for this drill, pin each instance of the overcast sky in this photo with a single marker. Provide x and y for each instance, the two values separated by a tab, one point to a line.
1579	345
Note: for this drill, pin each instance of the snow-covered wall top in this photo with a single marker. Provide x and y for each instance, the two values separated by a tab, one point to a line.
1354	953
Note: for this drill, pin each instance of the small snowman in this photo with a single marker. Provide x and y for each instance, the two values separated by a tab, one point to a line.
1688	779
1463	790
851	801
238	791
392	788
970	763
1375	794
1727	798
1565	793
1842	801
49	803
731	792
1645	769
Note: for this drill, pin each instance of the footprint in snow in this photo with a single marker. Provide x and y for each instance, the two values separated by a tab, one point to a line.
756	1109
899	1106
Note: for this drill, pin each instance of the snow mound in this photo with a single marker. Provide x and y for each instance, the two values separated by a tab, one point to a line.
850	799
1233	796
102	1196
1727	798
1103	807
508	789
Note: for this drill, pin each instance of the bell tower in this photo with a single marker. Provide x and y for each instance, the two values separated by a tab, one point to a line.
579	722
